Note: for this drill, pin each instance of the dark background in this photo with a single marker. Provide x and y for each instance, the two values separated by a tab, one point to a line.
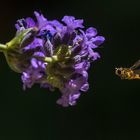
110	110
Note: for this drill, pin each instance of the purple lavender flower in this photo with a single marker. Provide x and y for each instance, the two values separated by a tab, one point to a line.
60	55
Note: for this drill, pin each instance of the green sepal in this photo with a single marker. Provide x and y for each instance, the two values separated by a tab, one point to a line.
15	42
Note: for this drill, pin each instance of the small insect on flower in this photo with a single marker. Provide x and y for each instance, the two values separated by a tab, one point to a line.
129	73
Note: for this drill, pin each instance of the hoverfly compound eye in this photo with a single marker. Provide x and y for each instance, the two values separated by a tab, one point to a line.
118	71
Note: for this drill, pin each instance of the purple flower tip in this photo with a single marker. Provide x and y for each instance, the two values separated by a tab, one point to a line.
72	23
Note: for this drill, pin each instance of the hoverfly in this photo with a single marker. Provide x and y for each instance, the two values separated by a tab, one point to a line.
129	73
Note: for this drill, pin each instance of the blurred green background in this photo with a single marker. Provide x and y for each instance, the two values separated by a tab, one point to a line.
110	110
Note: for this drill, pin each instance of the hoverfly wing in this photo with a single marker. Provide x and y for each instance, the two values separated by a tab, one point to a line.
136	65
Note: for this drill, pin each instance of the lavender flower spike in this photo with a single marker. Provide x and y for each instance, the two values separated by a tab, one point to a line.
54	54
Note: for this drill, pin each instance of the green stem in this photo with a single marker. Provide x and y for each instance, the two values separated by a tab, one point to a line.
54	58
3	47
48	59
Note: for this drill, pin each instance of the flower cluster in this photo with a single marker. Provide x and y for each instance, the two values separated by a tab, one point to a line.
54	54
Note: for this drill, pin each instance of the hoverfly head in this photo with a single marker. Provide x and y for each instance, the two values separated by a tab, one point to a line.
118	71
124	73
